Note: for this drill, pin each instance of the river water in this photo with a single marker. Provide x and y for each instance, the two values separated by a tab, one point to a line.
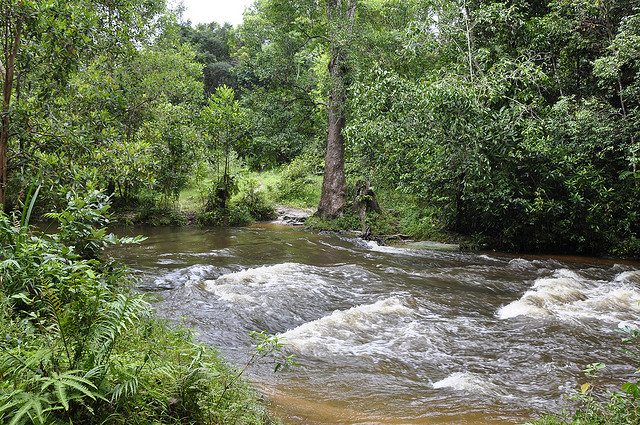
389	335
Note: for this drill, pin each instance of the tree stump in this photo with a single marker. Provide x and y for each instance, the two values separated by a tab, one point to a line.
365	201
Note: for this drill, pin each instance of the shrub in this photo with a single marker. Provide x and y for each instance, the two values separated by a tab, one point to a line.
255	201
79	347
249	204
300	182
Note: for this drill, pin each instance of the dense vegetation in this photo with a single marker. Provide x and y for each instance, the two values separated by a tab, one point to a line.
513	123
79	347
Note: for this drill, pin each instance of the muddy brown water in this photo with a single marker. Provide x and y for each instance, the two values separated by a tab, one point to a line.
387	335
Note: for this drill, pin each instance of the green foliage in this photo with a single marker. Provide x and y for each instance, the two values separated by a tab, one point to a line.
223	120
248	203
58	41
345	222
282	72
527	155
402	215
253	198
271	346
83	223
220	193
300	182
79	347
213	43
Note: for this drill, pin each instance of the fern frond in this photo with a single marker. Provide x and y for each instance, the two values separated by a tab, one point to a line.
126	388
116	317
97	371
69	386
49	295
12	363
23	407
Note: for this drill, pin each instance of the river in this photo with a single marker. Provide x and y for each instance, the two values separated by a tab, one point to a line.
388	335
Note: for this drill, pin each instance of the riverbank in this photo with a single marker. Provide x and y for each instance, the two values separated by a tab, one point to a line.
288	196
295	191
81	346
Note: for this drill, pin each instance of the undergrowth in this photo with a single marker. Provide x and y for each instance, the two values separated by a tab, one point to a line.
78	346
402	216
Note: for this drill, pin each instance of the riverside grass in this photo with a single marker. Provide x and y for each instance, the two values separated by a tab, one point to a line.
78	346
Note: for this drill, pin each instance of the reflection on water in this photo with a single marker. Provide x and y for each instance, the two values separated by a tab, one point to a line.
390	335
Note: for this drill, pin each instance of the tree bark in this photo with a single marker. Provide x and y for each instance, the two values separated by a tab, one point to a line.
11	44
334	193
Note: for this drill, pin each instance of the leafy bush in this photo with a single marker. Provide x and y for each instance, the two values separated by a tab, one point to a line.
248	204
234	215
79	347
147	209
255	201
300	182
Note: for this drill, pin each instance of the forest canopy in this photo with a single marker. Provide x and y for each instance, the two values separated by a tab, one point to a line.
514	123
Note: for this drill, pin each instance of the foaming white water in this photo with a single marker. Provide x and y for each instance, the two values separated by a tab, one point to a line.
225	252
521	263
628	325
375	246
469	382
186	277
387	328
288	286
632	276
570	296
265	275
256	285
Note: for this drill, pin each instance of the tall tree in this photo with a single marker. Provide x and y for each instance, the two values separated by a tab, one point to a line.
42	43
282	74
13	17
340	20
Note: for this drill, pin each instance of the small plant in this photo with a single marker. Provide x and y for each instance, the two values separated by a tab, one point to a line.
265	345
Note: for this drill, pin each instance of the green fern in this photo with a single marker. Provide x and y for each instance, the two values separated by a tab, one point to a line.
21	407
70	386
12	363
116	317
127	388
54	303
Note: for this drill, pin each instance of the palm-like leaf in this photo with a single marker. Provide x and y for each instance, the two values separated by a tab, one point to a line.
21	407
69	386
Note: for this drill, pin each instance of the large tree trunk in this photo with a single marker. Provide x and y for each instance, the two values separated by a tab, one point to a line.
11	43
334	193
